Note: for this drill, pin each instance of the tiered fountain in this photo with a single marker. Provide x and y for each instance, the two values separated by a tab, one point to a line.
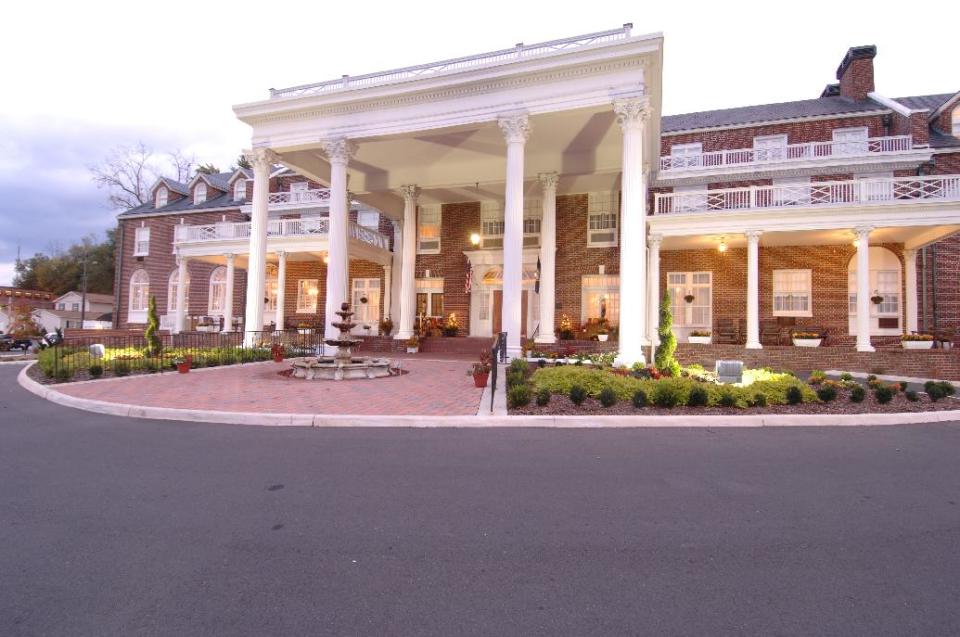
343	365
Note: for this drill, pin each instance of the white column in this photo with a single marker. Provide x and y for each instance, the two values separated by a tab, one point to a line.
408	261
262	160
863	290
653	299
338	152
516	129
632	113
387	291
753	290
181	316
548	258
281	288
228	294
393	310
910	273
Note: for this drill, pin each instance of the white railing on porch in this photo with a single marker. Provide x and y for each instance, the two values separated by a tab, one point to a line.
790	152
883	191
302	227
520	51
299	197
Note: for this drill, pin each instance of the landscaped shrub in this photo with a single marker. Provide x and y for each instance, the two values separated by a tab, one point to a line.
541	363
518	395
639	399
95	370
663	358
698	397
666	395
64	373
871	378
727	399
846	376
515	377
936	392
543	397
577	395
518	365
857	394
759	400
946	389
902	385
911	395
817	376
827	394
883	394
608	397
794	395
121	368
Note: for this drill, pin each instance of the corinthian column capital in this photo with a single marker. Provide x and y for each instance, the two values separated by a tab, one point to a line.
632	112
410	192
549	181
262	158
515	128
338	151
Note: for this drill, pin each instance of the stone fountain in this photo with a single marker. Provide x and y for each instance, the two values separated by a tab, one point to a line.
343	365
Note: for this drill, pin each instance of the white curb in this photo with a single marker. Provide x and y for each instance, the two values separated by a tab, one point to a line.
560	422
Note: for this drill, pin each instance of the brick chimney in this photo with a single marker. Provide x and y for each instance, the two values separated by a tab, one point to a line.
856	72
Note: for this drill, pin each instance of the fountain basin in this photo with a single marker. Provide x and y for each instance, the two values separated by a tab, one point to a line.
330	368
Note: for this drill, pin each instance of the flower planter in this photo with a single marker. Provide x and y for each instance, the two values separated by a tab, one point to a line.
480	380
603	337
916	344
699	340
807	342
183	368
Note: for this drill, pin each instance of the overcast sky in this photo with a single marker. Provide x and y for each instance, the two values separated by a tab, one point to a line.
77	78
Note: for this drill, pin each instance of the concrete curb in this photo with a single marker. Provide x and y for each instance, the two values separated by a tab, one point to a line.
427	422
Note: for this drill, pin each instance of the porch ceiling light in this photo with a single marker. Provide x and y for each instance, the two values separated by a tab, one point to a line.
723	244
326	258
475	239
856	243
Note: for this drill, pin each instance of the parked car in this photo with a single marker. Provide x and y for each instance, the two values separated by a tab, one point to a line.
10	344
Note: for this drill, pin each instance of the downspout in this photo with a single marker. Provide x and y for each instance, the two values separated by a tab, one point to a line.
117	272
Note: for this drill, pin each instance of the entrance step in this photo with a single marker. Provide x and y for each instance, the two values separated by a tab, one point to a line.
471	345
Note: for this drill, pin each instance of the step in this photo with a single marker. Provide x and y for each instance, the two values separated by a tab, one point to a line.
456	344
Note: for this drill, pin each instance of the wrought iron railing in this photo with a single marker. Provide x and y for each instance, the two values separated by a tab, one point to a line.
498	355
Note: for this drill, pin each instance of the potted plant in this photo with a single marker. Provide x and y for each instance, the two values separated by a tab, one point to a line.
481	370
806	339
566	327
277	351
946	339
386	326
689	298
183	363
916	341
877	298
304	328
603	333
413	345
451	325
701	337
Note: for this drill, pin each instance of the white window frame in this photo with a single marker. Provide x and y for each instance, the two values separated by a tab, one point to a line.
217	292
683	312
172	282
365	313
141	241
271	288
240	190
603	216
139	296
162	198
781	279
199	193
603	284
955	122
430	287
306	300
770	147
429	216
858	146
491	225
688	155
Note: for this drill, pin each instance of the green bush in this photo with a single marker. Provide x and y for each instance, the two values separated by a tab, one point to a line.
871	377
608	397
64	373
698	397
827	394
666	395
911	395
578	394
883	394
663	357
121	368
857	394
817	376
95	370
946	389
902	385
794	395
543	397
519	365
727	399
639	399
759	400
516	377
936	392
518	395
846	376
228	358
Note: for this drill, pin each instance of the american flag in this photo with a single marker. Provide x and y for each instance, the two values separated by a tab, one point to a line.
468	279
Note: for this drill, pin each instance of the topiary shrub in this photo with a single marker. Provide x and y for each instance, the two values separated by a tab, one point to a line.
665	395
727	399
759	400
543	397
121	368
152	333
794	395
911	395
883	394
698	397
518	395
857	394
827	394
577	395
639	399
664	358
608	397
95	370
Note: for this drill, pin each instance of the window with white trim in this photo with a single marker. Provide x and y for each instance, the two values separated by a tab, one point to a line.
429	297
850	141
691	295
602	212
307	292
491	225
271	287
770	147
75	307
686	155
172	284
792	293
532	213
141	242
428	230
600	298
139	291
298	191
199	193
162	197
218	290
240	190
955	128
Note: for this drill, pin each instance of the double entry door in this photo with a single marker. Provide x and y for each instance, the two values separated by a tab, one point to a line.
497	311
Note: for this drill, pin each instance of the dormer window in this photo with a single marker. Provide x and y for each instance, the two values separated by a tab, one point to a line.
240	190
162	196
200	193
956	122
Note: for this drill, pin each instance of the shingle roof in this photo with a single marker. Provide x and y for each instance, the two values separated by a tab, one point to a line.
185	204
219	180
920	102
176	186
943	140
744	115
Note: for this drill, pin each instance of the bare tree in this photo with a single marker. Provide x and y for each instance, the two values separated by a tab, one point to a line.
128	172
182	164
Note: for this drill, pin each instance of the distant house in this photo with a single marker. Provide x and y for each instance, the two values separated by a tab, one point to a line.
67	312
11	297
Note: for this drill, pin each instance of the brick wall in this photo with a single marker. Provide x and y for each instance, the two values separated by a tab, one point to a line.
316	269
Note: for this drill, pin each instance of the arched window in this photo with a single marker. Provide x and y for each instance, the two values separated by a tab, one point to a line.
172	292
162	196
139	292
886	277
199	193
240	190
218	290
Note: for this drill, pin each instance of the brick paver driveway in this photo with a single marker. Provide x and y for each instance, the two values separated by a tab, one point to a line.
433	387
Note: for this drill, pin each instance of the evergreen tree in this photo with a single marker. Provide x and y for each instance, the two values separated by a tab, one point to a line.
154	344
664	359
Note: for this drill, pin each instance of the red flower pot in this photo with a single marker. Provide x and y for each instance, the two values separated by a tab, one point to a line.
480	379
183	368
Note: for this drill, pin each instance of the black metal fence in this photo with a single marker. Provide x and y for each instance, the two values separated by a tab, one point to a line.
498	354
120	355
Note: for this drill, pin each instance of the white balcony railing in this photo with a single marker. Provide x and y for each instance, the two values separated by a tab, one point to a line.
303	227
884	191
521	51
789	153
299	197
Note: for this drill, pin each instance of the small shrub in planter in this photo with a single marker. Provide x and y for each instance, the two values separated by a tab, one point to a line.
883	394
698	397
759	400
518	395
911	395
945	387
639	398
608	397
543	397
666	395
817	376
857	394
518	365
121	368
96	371
794	395
515	377
902	385
577	395
936	392
64	373
827	394
846	376
727	399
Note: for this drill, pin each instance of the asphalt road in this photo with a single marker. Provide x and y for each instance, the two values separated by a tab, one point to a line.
125	527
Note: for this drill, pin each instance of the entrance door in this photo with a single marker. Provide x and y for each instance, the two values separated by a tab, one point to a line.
368	313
